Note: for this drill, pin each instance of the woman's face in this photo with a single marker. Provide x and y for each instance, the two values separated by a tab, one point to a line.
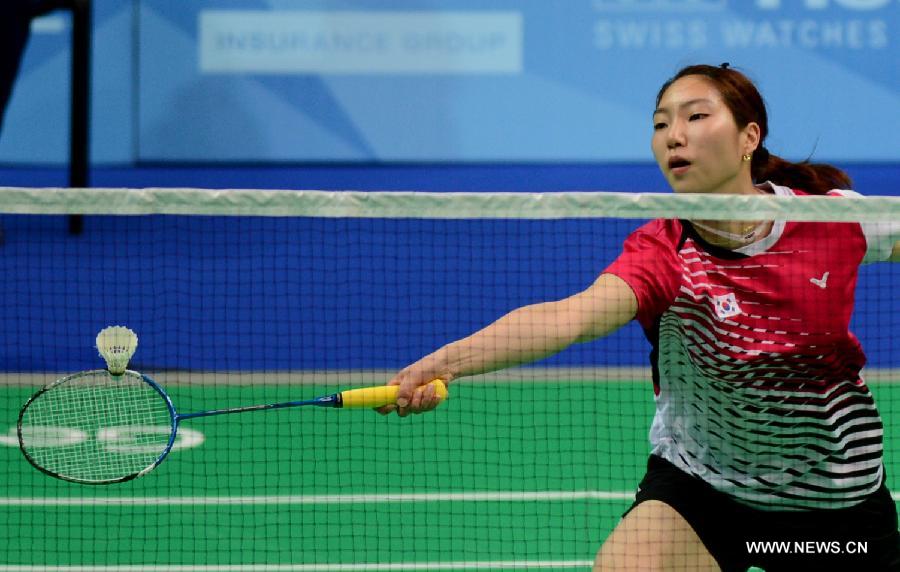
697	143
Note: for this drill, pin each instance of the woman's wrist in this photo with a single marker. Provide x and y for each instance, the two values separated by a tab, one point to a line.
443	364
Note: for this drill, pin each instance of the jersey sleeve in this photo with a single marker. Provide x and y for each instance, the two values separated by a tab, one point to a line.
648	265
880	236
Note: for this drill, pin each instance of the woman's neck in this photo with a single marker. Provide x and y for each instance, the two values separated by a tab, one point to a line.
732	234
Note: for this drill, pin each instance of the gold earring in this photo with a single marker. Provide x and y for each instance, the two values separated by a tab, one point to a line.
746	156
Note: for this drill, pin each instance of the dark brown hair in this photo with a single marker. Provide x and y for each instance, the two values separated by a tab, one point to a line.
747	105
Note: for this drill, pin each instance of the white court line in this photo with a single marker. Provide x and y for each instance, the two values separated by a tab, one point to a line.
321	499
486	565
496	496
500	496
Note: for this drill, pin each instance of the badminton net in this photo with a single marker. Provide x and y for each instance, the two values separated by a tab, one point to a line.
250	296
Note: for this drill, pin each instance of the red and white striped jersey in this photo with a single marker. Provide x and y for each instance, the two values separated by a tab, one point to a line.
756	373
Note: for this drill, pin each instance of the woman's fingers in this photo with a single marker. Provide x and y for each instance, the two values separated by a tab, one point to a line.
412	398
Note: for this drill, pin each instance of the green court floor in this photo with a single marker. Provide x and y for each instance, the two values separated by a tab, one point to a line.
502	476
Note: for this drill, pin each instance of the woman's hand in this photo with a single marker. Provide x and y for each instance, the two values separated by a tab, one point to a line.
412	396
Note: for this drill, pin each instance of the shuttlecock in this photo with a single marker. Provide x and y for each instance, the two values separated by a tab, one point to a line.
116	345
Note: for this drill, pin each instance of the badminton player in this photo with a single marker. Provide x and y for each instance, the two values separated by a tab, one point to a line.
764	429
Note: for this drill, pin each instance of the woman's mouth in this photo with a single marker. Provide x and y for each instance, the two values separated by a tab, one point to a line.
679	166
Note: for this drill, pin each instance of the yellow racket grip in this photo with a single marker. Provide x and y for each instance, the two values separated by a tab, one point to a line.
368	397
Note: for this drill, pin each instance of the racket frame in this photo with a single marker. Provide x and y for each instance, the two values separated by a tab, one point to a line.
173	419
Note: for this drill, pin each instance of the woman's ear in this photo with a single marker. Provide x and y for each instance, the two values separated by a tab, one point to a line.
751	136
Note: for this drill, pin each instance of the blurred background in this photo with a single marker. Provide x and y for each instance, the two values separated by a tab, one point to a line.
443	94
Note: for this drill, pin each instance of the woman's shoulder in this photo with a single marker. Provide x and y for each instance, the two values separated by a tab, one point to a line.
657	235
781	190
662	227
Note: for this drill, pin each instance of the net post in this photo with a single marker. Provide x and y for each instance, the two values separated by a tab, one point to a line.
79	139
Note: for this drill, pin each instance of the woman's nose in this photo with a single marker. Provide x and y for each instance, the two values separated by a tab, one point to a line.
675	135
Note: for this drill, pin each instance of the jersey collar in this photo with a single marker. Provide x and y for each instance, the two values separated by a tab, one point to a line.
777	227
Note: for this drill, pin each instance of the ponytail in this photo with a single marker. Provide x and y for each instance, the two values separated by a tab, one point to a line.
812	178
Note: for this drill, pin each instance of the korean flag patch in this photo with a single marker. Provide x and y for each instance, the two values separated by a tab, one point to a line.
726	306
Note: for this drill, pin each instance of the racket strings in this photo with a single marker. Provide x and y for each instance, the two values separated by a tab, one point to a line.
114	427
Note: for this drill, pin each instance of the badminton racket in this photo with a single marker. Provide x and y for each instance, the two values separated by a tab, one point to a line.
101	411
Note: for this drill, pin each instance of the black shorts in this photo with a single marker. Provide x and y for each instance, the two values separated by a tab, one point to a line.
861	537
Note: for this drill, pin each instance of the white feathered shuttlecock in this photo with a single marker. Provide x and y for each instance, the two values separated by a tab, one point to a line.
116	345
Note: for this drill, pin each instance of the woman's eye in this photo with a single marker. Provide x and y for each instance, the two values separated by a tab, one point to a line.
658	126
695	116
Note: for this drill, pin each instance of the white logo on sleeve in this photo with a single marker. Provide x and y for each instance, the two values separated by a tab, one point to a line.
726	306
820	282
